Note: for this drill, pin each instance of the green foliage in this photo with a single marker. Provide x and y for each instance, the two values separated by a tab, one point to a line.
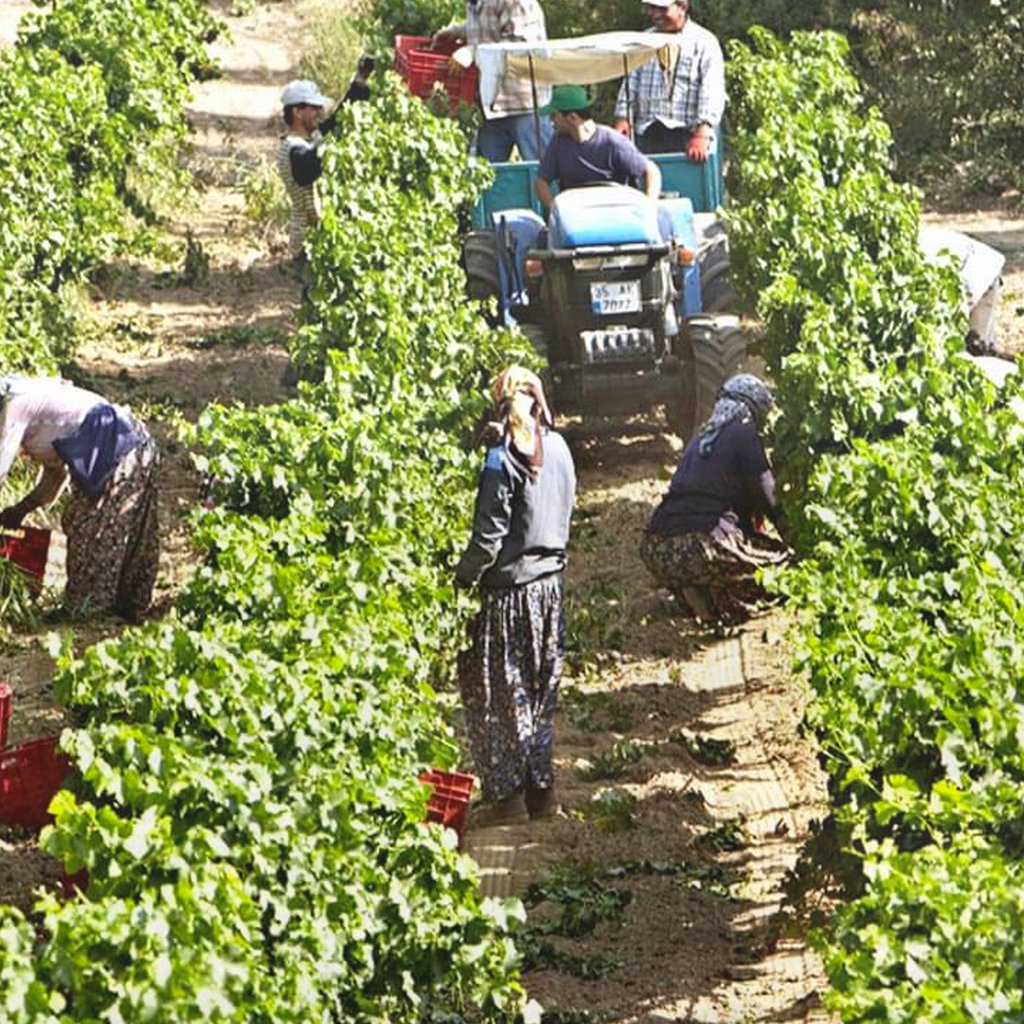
934	940
23	998
99	90
539	954
595	712
706	749
266	201
827	247
593	627
614	762
385	19
727	837
333	43
583	898
287	772
386	274
611	810
902	468
945	75
248	807
584	901
17	604
240	336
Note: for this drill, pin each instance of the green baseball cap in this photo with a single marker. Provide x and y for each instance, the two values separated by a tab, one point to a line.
566	98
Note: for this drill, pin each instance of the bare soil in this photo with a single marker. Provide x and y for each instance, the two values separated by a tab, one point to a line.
705	847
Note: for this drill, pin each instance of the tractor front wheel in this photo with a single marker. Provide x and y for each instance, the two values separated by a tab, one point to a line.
483	281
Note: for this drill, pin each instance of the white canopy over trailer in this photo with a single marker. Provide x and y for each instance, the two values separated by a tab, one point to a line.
581	61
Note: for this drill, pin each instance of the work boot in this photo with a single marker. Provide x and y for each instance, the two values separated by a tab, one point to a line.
541	802
510	811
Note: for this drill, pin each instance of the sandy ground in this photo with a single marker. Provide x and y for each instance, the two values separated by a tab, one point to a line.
699	939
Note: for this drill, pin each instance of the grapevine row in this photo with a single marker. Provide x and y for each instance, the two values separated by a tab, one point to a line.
94	99
248	808
903	479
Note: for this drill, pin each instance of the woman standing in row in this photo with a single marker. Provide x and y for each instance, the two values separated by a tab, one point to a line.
510	676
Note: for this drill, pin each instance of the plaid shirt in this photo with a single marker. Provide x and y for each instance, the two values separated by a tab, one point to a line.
683	96
498	21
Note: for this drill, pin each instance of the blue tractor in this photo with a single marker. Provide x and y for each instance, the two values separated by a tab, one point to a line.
626	297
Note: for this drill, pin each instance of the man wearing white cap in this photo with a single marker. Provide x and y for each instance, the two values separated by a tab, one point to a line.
675	105
298	156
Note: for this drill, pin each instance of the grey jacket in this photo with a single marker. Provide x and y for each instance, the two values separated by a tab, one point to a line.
521	526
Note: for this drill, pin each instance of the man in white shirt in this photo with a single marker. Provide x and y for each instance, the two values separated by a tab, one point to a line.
675	108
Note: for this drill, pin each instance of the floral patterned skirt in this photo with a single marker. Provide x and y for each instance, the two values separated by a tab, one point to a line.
713	573
509	681
113	542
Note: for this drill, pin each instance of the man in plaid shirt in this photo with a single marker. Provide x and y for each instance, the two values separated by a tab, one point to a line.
677	107
510	119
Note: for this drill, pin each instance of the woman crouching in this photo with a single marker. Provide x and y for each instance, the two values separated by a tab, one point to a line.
110	518
703	543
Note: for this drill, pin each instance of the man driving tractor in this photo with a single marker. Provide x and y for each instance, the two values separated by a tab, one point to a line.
583	152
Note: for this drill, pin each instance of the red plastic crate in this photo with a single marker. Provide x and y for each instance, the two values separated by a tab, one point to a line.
71	885
448	809
404	45
26	547
30	776
459	782
449	798
420	68
6	703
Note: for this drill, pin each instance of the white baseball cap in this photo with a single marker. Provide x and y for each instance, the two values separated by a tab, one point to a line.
302	90
659	3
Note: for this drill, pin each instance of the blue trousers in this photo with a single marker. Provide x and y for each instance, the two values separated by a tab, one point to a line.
496	137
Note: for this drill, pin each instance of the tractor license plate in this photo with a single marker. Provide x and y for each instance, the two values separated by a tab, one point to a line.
608	297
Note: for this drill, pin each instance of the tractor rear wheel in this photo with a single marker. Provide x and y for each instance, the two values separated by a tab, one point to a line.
719	347
716	294
483	281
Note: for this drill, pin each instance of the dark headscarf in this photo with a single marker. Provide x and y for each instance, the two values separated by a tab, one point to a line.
743	398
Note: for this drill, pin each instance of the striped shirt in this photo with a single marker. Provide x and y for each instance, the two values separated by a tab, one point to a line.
305	209
498	21
685	95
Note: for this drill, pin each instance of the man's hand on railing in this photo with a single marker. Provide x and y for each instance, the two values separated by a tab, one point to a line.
699	144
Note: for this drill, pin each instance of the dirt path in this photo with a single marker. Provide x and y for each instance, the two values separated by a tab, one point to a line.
714	792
